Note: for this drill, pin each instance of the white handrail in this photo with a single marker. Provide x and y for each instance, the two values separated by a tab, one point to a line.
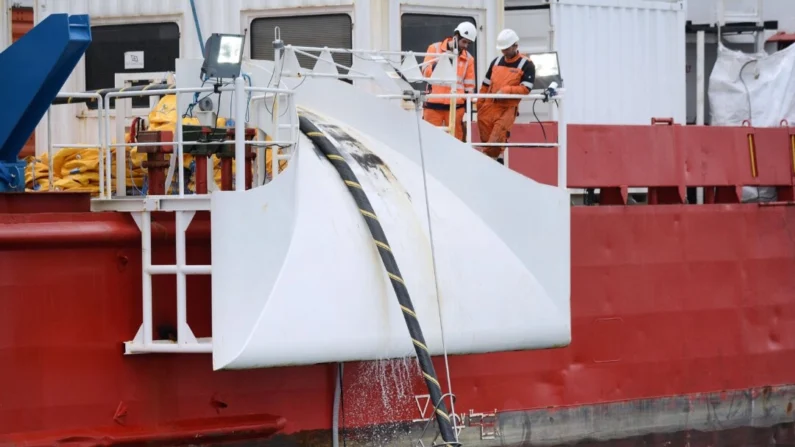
121	180
470	97
240	142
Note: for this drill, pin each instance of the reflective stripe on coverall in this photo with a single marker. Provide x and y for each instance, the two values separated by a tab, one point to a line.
496	116
437	110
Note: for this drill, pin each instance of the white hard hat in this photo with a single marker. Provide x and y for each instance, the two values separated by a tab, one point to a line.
467	30
506	39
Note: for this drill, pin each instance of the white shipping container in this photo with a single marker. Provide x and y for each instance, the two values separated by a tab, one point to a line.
622	61
5	24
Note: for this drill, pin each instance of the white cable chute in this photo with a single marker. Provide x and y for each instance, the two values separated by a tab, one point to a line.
296	278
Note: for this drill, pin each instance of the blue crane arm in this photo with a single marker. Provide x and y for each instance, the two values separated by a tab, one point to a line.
33	71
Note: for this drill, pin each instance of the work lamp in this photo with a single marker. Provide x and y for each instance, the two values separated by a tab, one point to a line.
547	69
223	56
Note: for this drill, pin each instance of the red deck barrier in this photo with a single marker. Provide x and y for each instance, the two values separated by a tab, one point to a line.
666	158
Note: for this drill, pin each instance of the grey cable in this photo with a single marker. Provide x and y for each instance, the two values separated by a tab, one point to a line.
335	414
435	277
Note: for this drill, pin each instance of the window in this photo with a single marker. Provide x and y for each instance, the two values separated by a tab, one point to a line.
418	31
159	43
329	30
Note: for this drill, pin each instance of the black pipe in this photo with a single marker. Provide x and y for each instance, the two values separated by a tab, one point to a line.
390	264
105	91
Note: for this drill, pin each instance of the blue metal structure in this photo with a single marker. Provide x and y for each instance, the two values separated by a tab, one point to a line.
33	71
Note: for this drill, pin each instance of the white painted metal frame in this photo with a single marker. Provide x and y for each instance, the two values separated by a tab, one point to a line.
184	206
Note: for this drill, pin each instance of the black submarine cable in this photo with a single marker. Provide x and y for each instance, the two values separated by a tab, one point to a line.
390	264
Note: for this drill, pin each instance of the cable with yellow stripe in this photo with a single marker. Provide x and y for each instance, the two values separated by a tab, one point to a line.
390	264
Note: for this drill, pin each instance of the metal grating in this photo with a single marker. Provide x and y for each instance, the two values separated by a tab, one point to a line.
329	30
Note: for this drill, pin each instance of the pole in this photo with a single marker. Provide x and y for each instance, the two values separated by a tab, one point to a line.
563	149
700	103
240	134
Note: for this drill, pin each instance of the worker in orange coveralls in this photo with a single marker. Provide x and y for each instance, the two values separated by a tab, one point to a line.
511	73
437	110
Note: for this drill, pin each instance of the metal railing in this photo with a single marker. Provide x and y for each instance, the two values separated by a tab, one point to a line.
240	90
403	59
558	98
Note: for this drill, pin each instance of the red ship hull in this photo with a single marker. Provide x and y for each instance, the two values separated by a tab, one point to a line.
683	319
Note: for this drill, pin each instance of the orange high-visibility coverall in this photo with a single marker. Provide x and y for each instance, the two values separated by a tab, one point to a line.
437	110
496	116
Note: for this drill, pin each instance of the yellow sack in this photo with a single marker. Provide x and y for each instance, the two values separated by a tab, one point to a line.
71	154
80	166
70	161
72	184
164	116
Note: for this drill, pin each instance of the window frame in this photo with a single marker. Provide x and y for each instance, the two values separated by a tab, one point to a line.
396	13
136	20
323	13
248	18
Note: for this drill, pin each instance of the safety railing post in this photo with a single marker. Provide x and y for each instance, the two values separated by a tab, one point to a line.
121	152
146	264
240	134
184	334
49	152
102	129
469	119
104	119
179	150
108	143
562	147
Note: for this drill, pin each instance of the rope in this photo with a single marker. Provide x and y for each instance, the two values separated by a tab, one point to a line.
390	264
433	260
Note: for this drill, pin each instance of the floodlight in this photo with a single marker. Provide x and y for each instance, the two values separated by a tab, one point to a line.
547	69
223	56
